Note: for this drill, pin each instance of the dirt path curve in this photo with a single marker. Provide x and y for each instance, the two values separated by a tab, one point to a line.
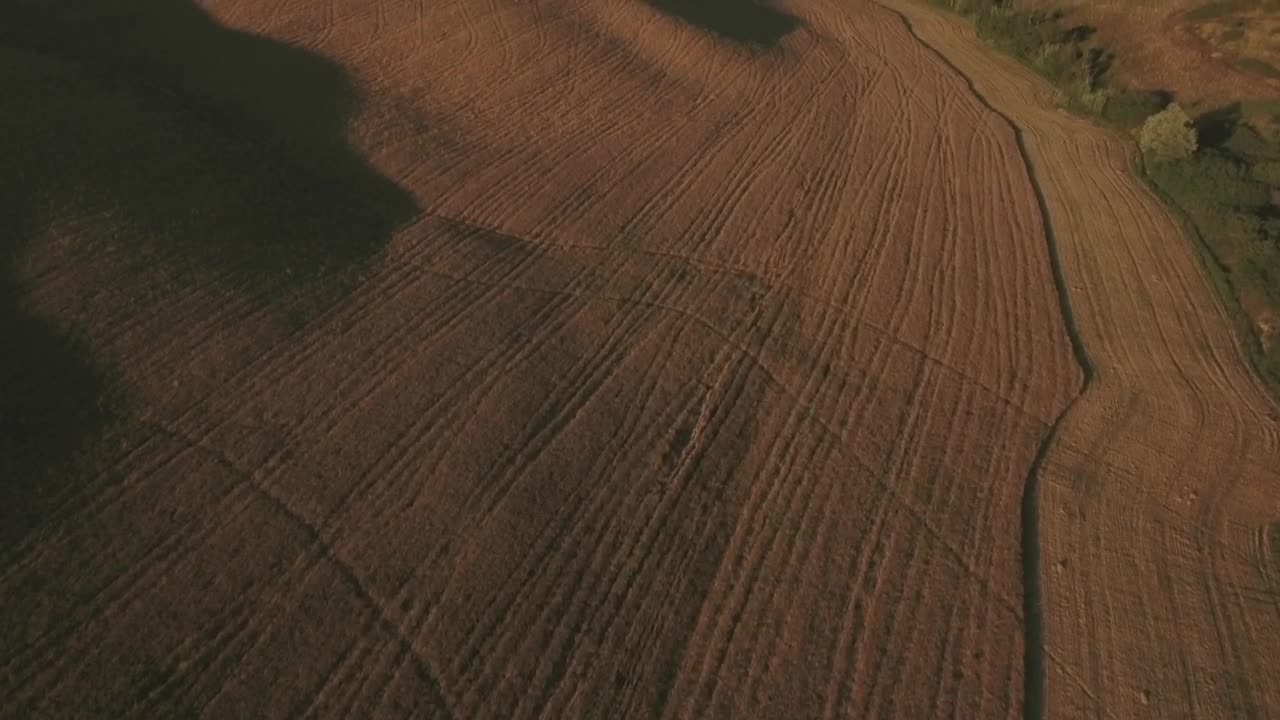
1159	498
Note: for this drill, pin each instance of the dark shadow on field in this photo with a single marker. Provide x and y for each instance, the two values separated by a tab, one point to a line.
49	402
745	21
169	82
1215	128
168	141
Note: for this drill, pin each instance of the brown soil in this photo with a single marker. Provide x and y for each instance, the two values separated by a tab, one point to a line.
586	360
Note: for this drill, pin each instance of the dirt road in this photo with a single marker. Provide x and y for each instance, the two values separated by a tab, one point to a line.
568	359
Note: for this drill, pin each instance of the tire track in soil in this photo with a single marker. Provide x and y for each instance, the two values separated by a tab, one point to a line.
1033	669
689	349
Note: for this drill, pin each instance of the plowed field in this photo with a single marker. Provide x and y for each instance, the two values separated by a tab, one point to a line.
602	359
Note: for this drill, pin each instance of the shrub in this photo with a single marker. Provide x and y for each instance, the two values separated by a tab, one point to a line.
1210	178
1270	366
1244	231
1246	143
1267	172
1055	60
1130	108
1261	272
1261	106
1168	135
1019	34
968	7
1083	97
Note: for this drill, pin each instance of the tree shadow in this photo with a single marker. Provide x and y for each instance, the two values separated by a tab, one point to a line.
168	65
1077	34
1215	128
749	22
1099	63
49	403
174	141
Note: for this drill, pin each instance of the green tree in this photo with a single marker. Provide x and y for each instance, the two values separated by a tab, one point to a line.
1168	135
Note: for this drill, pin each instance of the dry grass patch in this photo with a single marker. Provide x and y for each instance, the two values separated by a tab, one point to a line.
1245	32
1207	54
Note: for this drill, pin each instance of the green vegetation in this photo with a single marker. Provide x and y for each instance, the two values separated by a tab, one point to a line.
1220	173
1128	108
1260	106
1168	135
1039	40
1230	208
1215	10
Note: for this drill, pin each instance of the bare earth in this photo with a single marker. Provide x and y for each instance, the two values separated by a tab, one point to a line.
588	359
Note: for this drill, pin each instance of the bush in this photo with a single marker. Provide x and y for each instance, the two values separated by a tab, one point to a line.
967	7
1270	366
1168	135
1261	275
1246	143
1022	35
1083	97
1210	178
1267	172
1261	106
970	7
1056	61
1130	108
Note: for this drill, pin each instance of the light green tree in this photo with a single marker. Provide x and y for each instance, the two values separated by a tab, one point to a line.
1168	135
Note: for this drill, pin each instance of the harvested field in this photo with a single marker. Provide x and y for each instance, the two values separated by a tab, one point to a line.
1160	584
569	359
